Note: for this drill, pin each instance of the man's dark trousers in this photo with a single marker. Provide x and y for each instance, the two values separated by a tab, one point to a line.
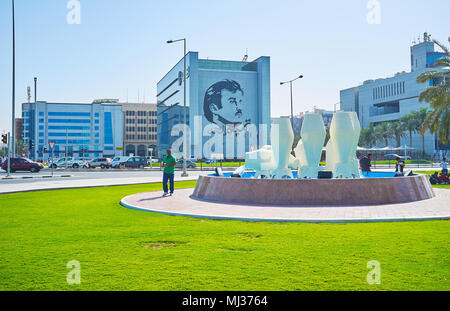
168	177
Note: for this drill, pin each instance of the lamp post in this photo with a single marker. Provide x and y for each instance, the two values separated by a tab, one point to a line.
13	130
292	101
184	174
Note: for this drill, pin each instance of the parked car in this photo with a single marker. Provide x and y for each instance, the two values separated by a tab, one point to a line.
393	157
135	162
117	161
100	162
71	163
23	164
189	164
59	162
152	159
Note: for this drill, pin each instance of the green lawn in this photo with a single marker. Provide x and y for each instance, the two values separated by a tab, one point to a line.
123	249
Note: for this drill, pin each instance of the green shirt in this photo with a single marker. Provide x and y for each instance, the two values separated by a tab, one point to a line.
169	160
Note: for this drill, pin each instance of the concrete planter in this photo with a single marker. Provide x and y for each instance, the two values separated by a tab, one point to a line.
314	192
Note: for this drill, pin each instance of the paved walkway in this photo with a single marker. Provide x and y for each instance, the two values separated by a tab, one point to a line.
181	204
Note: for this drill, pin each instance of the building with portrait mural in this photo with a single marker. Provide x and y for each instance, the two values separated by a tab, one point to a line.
226	102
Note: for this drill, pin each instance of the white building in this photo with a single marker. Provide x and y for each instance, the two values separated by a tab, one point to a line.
140	129
389	99
96	129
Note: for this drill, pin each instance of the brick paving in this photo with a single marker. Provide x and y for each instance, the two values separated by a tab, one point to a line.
182	204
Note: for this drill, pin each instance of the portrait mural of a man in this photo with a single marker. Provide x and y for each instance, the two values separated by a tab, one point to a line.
224	104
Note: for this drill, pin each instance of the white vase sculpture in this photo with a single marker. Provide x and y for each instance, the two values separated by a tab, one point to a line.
282	137
262	161
343	132
309	148
353	160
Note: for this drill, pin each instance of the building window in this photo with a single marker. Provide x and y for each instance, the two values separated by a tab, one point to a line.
69	114
66	121
108	129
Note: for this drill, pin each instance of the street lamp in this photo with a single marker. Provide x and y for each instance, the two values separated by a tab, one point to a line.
12	152
292	102
184	174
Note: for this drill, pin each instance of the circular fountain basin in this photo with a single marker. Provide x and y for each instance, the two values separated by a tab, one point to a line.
315	192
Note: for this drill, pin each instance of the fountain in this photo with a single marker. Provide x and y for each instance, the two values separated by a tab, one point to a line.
269	176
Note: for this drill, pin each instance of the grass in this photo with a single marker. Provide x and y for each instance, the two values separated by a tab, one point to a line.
123	249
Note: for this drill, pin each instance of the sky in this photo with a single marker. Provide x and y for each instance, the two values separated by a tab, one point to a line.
119	48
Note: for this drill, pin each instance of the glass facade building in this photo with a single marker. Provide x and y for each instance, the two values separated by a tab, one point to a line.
96	128
389	99
222	97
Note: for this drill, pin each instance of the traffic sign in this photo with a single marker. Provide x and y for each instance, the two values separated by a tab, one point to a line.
51	144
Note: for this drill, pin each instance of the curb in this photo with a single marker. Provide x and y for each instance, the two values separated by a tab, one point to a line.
38	177
311	221
89	187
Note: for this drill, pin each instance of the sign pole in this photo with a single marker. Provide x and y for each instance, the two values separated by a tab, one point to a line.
52	144
9	155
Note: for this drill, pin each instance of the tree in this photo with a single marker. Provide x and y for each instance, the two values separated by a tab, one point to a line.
410	124
368	137
383	132
438	96
21	147
420	117
398	131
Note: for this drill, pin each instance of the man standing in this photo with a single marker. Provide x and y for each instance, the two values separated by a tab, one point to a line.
365	163
169	163
400	165
444	166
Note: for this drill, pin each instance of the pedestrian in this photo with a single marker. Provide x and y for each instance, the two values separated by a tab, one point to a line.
444	166
434	179
400	165
168	164
364	163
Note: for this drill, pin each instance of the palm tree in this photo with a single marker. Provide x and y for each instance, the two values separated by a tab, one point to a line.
438	96
410	125
420	117
21	147
383	132
368	137
398	131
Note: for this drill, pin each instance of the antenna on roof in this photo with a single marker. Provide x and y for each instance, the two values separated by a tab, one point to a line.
245	56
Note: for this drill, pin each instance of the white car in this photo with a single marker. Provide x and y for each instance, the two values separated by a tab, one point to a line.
77	164
71	163
117	161
59	163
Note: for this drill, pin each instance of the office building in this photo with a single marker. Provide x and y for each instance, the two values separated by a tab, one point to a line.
83	131
229	100
389	99
140	129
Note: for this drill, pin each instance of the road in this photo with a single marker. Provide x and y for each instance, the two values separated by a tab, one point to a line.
26	181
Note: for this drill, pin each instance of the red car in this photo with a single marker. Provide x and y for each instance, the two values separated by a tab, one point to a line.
23	164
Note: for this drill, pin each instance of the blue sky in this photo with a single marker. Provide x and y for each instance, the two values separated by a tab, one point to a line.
120	45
